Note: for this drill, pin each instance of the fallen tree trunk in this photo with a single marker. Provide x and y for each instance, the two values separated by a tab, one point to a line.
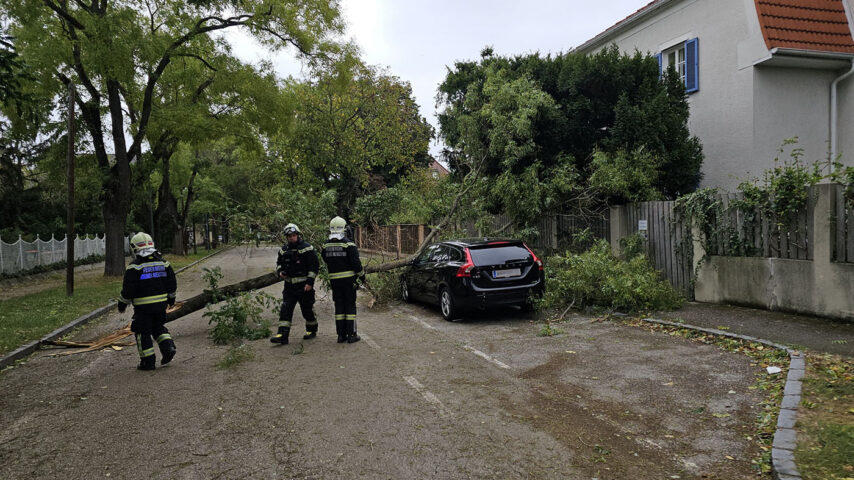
198	302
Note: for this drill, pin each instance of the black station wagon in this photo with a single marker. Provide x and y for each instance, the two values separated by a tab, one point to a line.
474	273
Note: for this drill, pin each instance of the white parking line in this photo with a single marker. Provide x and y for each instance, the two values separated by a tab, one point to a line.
422	322
369	341
481	354
427	396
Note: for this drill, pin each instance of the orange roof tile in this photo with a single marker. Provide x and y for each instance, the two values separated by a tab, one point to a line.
819	25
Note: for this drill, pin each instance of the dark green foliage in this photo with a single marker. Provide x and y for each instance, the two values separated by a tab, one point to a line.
562	109
599	280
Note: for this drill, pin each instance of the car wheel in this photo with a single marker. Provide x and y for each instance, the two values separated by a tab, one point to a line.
447	304
404	291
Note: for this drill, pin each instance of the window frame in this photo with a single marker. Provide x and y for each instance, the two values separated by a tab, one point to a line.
690	62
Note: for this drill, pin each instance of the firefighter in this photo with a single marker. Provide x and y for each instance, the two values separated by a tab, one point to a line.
149	284
297	264
342	260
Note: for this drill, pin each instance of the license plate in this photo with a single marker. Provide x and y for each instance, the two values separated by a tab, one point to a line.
511	272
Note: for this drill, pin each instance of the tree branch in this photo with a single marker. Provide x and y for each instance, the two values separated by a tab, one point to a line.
164	62
63	14
197	57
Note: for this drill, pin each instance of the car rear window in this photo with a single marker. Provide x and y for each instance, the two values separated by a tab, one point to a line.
497	255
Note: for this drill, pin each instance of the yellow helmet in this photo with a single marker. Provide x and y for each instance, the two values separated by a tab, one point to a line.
141	241
337	225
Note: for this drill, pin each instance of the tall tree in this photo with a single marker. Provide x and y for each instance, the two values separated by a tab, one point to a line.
115	53
355	132
561	111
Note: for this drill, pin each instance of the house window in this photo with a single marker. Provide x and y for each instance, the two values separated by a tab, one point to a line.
684	58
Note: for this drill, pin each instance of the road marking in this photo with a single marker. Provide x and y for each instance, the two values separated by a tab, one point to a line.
370	342
427	395
422	322
481	354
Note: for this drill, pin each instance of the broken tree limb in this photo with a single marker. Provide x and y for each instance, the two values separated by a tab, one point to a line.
198	302
468	182
109	340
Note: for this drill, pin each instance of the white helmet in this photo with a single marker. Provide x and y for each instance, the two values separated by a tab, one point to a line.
337	225
141	242
291	228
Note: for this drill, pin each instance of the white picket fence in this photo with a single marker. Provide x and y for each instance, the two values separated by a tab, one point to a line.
21	256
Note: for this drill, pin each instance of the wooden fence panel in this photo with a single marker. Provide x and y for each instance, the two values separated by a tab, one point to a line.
668	245
849	233
839	253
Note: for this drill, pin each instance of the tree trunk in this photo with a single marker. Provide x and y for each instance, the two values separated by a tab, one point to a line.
199	301
115	217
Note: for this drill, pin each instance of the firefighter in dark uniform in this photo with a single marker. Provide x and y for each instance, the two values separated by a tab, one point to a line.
149	284
342	261
297	265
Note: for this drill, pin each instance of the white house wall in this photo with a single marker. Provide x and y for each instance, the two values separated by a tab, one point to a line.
791	102
845	129
742	113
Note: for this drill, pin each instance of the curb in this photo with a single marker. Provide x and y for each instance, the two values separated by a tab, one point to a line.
31	347
783	465
59	332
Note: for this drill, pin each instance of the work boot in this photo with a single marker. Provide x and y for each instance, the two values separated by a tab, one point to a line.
281	337
309	335
350	328
146	363
167	351
339	329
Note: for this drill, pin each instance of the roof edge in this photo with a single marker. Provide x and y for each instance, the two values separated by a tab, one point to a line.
624	24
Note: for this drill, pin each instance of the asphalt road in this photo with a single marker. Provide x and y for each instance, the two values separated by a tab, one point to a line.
485	397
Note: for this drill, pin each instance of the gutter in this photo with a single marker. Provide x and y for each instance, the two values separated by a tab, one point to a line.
793	52
834	112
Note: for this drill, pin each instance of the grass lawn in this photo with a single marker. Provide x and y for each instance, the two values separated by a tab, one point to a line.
30	317
826	419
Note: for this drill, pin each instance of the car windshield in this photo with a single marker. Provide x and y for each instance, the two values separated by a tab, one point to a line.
495	255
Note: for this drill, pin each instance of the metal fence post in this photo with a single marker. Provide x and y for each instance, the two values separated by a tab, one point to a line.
21	251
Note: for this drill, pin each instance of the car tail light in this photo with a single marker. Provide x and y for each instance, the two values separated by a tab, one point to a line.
465	269
536	260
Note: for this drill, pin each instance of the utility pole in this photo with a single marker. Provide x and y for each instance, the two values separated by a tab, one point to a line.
69	236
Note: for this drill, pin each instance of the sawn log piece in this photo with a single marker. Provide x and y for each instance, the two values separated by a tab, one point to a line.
198	302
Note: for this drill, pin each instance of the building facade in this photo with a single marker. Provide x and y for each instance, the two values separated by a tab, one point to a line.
758	72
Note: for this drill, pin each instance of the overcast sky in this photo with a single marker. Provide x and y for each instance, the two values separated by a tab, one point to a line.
418	40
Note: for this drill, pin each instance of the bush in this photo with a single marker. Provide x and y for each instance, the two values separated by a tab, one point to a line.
598	279
385	286
240	316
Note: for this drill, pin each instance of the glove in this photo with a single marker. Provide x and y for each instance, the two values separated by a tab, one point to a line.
170	301
122	307
363	280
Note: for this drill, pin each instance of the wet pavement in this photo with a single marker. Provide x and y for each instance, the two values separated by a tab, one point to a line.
798	331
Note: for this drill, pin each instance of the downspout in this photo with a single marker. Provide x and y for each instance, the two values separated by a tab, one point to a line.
834	113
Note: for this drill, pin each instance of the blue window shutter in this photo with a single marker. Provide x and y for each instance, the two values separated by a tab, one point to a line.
692	69
660	66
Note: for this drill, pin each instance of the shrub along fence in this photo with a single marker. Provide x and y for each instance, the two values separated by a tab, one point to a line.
802	264
21	256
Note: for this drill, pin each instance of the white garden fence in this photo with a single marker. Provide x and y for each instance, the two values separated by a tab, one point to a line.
21	256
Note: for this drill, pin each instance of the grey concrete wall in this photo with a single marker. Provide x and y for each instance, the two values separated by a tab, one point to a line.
816	287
